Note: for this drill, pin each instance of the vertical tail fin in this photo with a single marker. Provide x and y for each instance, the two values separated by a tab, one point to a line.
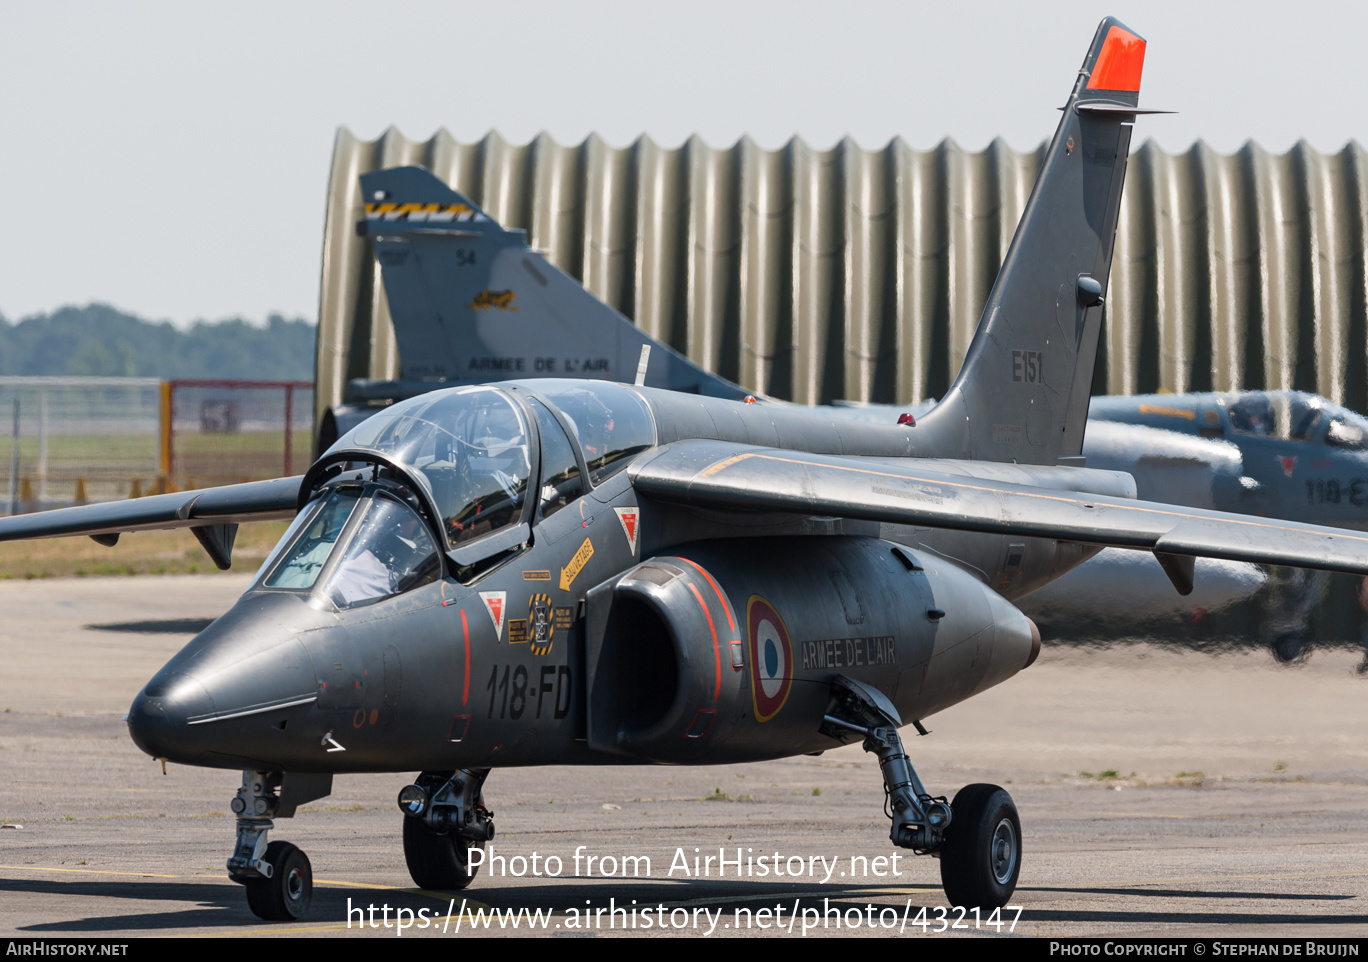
471	302
1022	394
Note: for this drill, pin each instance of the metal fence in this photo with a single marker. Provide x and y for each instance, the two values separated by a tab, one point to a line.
68	440
79	439
227	431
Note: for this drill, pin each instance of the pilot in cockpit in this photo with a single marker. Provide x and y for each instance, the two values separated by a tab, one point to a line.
391	552
479	470
1252	414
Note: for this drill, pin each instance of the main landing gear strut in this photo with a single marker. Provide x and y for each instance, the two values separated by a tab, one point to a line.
444	821
977	837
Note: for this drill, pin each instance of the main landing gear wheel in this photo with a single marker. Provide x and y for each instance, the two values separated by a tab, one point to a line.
285	896
981	858
439	862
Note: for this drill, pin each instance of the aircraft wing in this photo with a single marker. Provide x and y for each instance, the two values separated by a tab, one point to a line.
206	510
738	477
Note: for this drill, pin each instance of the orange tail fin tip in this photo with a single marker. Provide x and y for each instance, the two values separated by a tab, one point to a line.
1120	63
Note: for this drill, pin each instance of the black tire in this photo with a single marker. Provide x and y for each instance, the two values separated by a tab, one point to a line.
981	858
285	896
438	862
1290	645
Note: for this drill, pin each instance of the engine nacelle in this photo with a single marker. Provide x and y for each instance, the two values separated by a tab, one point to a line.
725	650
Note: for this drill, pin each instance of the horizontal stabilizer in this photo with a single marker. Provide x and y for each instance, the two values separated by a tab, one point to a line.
1117	109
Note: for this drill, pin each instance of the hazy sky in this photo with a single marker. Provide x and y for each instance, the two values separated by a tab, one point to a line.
171	158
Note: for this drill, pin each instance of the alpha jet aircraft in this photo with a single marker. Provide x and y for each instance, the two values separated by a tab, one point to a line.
583	571
1304	456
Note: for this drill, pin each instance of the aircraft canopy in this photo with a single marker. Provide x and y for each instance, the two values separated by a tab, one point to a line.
355	545
469	446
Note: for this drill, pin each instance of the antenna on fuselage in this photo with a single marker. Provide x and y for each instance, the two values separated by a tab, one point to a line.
641	367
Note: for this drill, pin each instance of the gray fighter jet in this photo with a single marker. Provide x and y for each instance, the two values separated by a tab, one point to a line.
1300	457
1303	457
588	572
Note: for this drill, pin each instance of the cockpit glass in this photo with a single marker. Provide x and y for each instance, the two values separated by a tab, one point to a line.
1297	416
469	445
1346	433
1305	415
561	482
1252	414
287	539
301	563
612	424
390	552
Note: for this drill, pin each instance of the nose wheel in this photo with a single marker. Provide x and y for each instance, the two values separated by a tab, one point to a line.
285	895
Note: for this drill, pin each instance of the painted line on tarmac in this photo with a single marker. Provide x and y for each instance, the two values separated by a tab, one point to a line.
375	886
1278	877
84	871
426	893
828	893
440	896
253	931
859	893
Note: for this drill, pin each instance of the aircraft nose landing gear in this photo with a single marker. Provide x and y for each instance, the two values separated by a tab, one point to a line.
977	837
285	895
277	875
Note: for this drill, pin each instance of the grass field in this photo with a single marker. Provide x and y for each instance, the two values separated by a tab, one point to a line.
95	447
140	553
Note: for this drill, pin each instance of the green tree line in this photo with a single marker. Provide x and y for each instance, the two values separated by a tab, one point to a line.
101	340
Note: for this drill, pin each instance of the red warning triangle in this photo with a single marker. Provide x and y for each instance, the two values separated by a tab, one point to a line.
495	603
627	517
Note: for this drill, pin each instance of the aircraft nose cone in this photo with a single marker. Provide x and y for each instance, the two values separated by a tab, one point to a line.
207	705
160	719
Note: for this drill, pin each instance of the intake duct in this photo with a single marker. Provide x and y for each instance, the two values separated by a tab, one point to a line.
657	665
725	650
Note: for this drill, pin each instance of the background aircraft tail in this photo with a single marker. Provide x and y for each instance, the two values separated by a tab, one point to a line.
471	302
1022	393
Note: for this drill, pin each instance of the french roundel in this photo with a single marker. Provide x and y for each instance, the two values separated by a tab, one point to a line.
771	658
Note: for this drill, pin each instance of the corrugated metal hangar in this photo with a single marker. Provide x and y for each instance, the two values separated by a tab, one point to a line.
849	273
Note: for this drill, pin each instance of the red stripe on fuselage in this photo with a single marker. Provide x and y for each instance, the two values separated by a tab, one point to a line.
465	630
725	607
717	650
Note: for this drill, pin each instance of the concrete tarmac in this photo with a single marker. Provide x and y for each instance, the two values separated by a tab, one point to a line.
1161	793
